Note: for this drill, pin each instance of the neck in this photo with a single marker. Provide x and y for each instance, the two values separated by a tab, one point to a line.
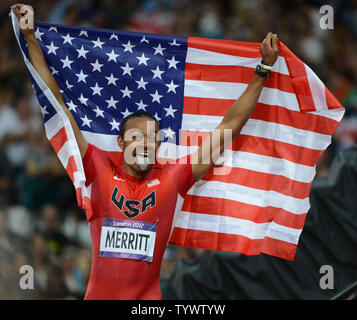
135	173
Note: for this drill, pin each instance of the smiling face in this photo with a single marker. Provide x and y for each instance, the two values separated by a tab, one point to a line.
139	145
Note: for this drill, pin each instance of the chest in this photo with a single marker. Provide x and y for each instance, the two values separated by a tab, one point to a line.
150	200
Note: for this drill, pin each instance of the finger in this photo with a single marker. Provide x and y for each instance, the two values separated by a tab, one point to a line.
275	42
267	41
16	12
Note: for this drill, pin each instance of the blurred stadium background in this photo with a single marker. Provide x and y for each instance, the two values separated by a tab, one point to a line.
40	224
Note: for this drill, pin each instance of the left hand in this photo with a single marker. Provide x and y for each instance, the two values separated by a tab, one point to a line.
269	49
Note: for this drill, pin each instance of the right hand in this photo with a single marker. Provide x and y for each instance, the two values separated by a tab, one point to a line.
25	15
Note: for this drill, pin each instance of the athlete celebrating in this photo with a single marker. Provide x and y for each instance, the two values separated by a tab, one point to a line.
134	204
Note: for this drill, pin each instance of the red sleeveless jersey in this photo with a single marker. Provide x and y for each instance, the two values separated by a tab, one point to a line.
130	224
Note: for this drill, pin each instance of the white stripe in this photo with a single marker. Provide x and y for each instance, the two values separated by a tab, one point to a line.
262	129
178	207
53	125
231	91
317	90
236	226
102	141
279	232
199	56
65	153
334	114
252	196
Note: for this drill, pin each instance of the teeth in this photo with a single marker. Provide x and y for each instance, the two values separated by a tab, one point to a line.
142	160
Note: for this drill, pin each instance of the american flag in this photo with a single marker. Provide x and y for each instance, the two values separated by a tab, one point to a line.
188	84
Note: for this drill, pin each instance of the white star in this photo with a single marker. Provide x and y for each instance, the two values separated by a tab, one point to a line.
98	43
67	39
141	105
156	97
69	86
127	69
83	32
157	73
143	39
174	43
169	133
111	103
82	52
126	113
99	113
157	117
96	89
39	34
67	63
171	87
86	121
82	77
72	106
52	48
52	29
128	47
112	56
159	49
143	59
111	79
113	36
44	111
115	125
97	66
170	111
53	70
126	92
172	63
83	100
141	83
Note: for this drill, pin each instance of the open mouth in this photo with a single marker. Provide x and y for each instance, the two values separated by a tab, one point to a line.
142	159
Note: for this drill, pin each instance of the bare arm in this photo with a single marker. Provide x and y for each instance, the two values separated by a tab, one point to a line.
38	60
236	116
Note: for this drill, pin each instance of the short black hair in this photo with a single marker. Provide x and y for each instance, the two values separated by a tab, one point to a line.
137	114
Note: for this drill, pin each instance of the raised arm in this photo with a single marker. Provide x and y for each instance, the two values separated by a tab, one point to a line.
38	61
236	116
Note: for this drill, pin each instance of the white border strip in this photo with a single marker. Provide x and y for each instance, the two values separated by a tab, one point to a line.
236	226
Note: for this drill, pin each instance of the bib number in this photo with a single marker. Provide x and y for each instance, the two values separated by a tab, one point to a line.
127	239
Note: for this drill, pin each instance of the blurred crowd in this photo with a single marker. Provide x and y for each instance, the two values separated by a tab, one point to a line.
40	224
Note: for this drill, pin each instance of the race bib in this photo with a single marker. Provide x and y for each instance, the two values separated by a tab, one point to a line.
127	239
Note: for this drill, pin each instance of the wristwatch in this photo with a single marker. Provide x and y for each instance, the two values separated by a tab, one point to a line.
260	72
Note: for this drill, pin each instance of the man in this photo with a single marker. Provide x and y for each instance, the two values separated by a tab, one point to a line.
134	204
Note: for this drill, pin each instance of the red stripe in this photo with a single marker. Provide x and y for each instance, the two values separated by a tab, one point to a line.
236	209
234	48
59	139
279	248
261	181
235	243
236	74
331	101
299	80
277	114
261	146
215	241
71	167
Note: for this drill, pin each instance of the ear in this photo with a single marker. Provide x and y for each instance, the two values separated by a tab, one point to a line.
120	141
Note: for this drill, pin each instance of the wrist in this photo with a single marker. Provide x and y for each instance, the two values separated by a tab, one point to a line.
29	34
